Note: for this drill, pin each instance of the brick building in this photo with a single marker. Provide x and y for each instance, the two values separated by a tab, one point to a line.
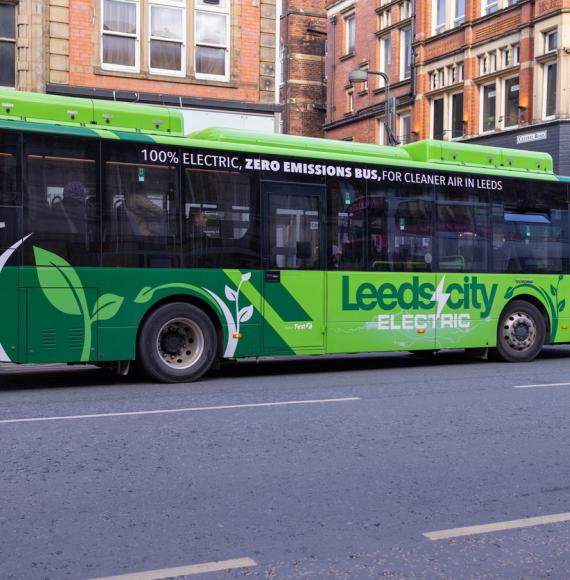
214	58
494	72
302	78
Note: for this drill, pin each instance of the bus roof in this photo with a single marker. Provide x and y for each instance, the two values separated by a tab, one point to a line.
117	120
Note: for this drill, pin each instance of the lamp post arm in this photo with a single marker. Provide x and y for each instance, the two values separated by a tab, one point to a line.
387	105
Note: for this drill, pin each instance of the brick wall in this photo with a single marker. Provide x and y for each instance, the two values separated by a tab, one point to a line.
303	93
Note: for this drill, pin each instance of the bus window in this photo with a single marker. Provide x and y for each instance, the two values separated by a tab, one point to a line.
10	198
61	204
346	225
400	223
462	237
220	220
530	229
140	210
463	228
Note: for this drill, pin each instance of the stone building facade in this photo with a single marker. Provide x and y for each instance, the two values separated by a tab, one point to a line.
302	71
214	58
489	71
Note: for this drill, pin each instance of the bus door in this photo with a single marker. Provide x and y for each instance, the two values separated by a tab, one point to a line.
294	280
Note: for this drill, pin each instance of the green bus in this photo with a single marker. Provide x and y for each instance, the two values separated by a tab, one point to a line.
123	239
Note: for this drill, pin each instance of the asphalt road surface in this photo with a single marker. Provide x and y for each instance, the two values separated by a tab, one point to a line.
384	466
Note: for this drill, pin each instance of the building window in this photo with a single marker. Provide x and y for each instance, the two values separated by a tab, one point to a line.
405	10
490	6
7	45
212	34
456	115
493	62
489	108
441	77
385	19
517	54
505	58
385	55
460	72
511	101
405	129
381	132
437	118
458	12
167	37
349	102
551	41
440	16
482	65
405	53
350	34
550	74
120	34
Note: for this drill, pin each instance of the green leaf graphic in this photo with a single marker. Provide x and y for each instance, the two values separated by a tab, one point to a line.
59	282
509	292
144	295
561	305
553	290
106	307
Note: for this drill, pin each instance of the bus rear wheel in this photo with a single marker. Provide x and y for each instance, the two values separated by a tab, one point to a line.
177	343
521	332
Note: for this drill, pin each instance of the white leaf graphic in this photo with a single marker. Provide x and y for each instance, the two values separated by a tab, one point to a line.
246	313
246	277
230	294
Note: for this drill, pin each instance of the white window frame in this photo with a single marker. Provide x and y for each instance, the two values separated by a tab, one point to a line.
402	117
405	10
381	132
505	57
457	19
481	108
441	27
482	65
450	115
432	116
349	18
493	61
403	48
211	9
547	36
504	100
544	85
385	65
516	54
168	4
489	5
136	36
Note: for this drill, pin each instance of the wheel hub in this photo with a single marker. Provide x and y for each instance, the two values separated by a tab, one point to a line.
519	331
180	343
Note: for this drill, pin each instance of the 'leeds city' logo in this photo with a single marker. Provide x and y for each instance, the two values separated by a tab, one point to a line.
416	296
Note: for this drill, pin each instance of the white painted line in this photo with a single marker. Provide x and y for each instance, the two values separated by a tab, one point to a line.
186	410
544	385
498	526
186	570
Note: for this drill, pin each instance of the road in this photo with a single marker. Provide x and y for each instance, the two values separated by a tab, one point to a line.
346	477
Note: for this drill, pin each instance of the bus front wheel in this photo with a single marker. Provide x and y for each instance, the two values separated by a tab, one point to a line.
521	332
177	343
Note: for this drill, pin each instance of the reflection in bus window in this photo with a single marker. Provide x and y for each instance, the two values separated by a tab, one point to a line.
530	229
346	226
220	220
62	207
400	228
140	209
463	237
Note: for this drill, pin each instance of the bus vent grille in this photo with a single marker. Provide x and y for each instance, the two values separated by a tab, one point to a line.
76	338
49	338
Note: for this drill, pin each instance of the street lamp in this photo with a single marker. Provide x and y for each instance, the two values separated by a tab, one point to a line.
361	76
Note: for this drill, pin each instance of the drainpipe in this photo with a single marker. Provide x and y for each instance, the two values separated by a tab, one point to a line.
333	66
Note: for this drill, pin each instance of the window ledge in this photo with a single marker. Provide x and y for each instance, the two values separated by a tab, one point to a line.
347	56
172	79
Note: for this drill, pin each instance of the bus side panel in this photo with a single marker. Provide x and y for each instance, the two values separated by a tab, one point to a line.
380	311
9	323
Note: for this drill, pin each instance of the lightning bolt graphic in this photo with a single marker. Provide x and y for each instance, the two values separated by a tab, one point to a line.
440	296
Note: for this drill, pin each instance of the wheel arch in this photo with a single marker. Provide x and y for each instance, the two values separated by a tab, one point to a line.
207	308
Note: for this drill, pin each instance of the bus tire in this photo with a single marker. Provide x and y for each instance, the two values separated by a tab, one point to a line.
177	343
521	332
